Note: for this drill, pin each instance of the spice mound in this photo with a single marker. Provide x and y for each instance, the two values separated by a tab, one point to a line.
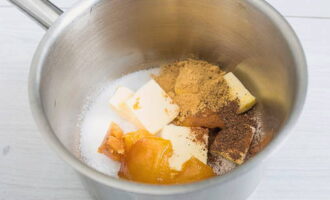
193	121
198	87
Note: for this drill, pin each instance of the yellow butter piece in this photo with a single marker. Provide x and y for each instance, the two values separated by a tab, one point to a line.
152	107
117	103
185	145
238	91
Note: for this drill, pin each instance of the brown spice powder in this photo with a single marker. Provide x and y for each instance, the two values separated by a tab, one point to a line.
200	135
228	114
195	86
259	142
235	138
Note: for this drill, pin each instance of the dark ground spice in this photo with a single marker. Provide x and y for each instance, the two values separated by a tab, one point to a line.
200	134
230	118
234	139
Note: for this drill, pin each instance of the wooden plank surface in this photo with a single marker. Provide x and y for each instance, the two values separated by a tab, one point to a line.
300	8
30	170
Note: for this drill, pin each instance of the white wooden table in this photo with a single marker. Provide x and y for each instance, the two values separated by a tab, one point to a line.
29	170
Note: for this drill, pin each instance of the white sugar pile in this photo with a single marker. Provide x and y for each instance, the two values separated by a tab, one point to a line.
97	116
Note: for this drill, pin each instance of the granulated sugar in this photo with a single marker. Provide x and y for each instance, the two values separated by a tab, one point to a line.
97	116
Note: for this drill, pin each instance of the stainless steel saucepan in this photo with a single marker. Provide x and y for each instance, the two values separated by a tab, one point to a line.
99	40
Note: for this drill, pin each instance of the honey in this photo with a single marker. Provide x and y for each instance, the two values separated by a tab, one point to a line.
144	158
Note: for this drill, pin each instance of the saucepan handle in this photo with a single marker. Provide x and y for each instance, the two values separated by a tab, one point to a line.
42	11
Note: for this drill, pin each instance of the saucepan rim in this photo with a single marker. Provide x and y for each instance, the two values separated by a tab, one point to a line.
48	134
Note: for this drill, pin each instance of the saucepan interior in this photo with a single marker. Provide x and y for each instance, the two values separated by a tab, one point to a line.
113	38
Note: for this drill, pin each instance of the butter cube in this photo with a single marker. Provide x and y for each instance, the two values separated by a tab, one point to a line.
237	91
118	99
117	102
152	107
186	142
